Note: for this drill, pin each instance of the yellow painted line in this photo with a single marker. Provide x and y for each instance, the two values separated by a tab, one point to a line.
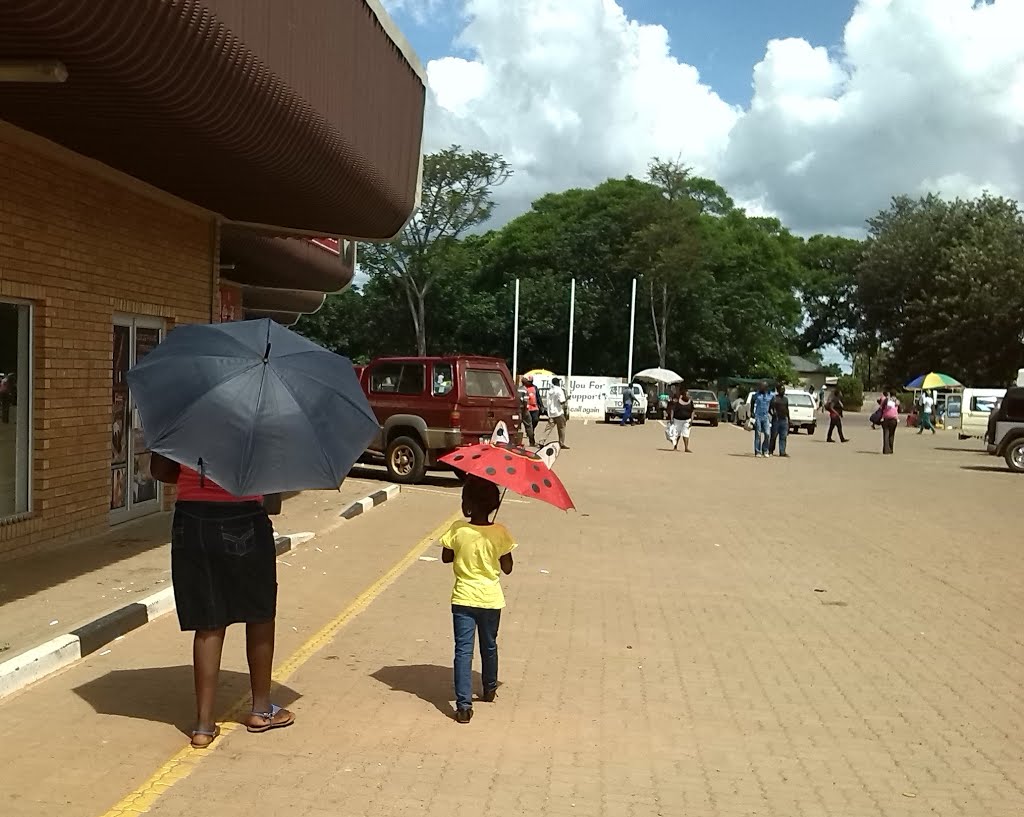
185	762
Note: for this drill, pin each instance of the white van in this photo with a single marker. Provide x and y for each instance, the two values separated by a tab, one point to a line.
978	404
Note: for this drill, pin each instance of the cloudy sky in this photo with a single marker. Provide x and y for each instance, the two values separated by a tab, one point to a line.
815	110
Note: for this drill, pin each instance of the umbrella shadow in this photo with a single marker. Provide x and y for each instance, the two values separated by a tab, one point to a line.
165	694
428	682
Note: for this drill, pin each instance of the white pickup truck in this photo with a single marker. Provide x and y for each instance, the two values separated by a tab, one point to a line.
613	403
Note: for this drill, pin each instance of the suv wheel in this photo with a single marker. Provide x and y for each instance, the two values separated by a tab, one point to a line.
406	461
1015	456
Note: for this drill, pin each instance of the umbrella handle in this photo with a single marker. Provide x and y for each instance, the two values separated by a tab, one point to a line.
503	492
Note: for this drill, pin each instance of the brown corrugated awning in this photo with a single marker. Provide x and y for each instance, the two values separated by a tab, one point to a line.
257	260
298	301
301	116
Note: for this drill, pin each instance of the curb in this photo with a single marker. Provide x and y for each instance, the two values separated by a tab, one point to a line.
370	502
38	662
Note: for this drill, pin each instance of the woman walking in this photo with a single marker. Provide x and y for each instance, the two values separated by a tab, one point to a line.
680	415
890	406
224	568
835	416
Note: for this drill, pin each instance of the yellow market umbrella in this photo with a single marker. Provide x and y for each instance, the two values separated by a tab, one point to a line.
539	373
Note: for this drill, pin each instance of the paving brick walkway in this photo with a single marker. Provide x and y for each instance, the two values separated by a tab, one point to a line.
836	634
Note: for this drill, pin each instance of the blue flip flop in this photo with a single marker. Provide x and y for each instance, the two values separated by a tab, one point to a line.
269	718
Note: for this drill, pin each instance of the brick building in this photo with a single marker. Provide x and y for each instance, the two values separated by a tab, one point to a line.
166	162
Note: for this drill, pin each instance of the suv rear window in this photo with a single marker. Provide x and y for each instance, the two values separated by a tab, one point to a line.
799	398
706	396
485	383
397	378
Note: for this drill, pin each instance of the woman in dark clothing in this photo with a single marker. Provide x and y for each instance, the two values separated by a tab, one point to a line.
224	568
680	415
835	416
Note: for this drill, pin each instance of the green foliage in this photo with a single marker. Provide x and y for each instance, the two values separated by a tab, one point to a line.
456	199
940	286
853	392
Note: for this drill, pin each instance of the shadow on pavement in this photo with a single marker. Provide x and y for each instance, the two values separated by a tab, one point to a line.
165	694
961	450
428	682
993	469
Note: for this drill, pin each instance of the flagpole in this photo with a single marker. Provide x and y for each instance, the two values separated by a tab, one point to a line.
572	329
632	329
515	337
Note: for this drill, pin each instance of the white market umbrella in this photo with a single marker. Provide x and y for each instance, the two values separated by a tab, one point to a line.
658	376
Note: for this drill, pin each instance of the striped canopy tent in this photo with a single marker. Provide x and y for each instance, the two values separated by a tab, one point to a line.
934	380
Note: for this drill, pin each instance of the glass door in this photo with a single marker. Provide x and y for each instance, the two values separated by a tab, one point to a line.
133	491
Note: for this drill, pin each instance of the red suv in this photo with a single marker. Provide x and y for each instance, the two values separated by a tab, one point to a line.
429	406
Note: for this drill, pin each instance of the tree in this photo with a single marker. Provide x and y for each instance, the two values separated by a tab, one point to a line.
828	289
456	199
677	182
939	285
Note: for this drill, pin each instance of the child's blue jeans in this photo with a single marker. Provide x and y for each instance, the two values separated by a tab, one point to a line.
467	621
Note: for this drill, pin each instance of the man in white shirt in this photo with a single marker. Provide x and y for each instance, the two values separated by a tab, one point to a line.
925	420
558	408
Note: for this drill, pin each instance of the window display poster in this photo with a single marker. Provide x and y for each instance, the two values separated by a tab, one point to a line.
118	487
119	428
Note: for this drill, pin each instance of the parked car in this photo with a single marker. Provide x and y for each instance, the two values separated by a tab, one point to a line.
429	406
705	406
802	414
978	405
1005	435
613	402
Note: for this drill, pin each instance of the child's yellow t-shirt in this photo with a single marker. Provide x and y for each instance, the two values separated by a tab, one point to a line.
478	550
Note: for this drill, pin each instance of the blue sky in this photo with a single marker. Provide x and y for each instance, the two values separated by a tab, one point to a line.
723	39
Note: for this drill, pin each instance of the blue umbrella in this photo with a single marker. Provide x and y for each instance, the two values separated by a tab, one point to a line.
254	406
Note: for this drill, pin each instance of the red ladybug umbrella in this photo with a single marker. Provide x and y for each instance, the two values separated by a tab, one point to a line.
520	471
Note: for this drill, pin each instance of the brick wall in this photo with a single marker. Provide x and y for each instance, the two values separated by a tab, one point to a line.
82	247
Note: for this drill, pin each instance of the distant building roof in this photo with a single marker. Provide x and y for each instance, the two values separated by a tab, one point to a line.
803	366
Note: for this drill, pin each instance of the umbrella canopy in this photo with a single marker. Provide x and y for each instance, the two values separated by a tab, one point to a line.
658	376
539	373
520	471
934	380
258	408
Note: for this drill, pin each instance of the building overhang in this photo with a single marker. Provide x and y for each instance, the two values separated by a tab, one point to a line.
294	117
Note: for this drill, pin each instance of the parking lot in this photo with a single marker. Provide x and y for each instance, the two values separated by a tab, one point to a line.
833	634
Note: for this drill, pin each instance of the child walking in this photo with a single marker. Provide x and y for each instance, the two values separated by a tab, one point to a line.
478	551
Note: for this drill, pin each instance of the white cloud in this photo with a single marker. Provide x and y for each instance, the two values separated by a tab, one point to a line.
924	94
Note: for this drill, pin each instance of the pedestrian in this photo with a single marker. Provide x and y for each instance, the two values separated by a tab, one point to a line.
680	419
532	401
479	551
835	416
760	409
224	571
924	422
558	409
779	411
890	406
821	400
524	411
627	405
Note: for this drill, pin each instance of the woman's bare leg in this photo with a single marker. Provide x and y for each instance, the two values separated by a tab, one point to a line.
206	652
259	649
